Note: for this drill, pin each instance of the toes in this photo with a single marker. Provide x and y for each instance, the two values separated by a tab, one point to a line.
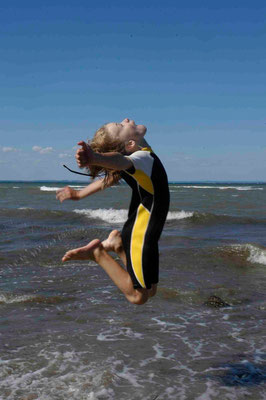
115	232
68	256
65	258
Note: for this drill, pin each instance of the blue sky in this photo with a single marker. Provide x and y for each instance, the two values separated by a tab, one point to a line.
194	72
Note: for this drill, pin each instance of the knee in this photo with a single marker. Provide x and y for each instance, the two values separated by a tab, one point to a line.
139	298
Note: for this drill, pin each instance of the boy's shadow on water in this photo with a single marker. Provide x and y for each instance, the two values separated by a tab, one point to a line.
243	374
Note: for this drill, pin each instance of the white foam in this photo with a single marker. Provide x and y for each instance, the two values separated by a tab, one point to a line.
59	374
127	373
179	215
7	298
257	255
241	188
158	351
210	392
166	324
113	216
48	188
54	189
112	335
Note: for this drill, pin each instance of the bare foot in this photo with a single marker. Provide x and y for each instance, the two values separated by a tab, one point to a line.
113	242
83	253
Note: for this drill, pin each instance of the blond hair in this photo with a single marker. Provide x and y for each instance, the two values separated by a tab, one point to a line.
104	142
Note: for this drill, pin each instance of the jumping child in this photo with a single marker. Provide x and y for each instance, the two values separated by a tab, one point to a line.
119	150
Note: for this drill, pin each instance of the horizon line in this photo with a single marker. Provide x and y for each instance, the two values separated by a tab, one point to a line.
170	181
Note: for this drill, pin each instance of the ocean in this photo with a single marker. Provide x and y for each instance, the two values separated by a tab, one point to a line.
66	332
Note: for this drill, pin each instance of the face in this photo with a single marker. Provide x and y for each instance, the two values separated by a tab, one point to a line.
127	130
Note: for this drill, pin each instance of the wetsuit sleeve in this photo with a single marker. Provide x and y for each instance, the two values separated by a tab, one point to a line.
142	161
142	169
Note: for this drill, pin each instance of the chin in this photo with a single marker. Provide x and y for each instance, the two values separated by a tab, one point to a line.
142	129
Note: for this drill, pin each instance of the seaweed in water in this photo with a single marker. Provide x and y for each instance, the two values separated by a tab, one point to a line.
245	374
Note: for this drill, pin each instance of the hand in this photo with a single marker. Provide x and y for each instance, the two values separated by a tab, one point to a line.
66	193
84	155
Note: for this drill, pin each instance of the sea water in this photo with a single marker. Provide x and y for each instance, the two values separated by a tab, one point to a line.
66	332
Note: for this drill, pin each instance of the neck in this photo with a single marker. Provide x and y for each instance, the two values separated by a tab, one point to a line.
143	143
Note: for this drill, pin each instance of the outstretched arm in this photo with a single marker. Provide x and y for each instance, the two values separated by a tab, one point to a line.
68	193
85	156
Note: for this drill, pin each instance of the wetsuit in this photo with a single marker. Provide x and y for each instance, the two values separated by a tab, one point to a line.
146	217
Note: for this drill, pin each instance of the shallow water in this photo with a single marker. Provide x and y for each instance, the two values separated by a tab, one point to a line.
67	333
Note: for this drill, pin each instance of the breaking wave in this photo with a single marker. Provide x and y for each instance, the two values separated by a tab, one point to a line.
241	188
111	215
240	254
173	215
255	254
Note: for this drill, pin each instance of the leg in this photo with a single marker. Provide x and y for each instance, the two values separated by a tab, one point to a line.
114	243
121	278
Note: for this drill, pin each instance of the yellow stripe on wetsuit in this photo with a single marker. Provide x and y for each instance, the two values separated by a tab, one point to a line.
137	242
143	180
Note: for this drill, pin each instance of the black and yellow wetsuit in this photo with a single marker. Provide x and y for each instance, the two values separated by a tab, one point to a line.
146	217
